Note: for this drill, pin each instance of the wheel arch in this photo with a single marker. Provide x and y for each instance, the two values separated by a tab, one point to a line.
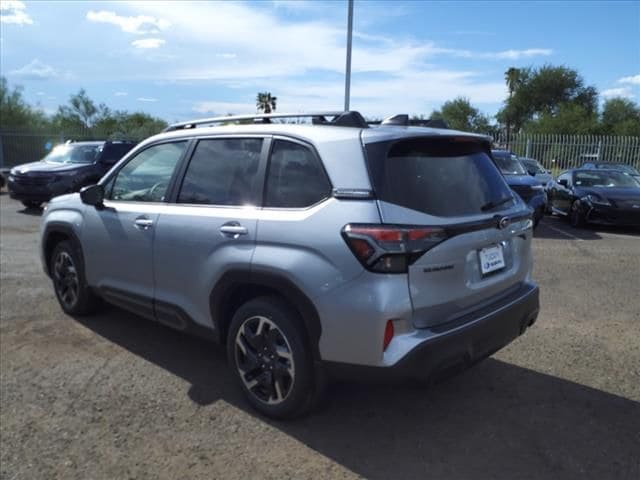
238	286
55	233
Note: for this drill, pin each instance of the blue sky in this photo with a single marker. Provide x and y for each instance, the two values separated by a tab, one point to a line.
185	60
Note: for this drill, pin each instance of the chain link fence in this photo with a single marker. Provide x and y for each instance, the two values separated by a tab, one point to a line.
561	152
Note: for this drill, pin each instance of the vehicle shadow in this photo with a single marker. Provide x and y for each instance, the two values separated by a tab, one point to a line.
35	212
496	420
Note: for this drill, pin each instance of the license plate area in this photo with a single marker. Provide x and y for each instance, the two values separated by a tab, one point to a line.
491	259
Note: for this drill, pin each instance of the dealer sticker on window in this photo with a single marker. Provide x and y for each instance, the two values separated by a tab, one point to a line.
491	259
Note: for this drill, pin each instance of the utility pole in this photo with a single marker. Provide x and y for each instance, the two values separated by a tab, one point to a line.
347	80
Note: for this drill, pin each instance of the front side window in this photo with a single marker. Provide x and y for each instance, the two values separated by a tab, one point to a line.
146	177
295	178
223	171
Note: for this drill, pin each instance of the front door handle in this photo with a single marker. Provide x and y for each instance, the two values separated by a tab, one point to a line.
143	223
234	229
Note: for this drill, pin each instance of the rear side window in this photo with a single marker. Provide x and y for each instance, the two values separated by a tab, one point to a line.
295	178
222	171
439	177
111	153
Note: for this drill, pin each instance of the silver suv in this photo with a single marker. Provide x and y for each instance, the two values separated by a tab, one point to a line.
305	248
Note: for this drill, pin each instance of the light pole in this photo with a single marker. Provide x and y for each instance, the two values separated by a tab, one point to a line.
347	80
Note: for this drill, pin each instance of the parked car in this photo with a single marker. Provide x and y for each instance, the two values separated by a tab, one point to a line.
623	167
411	259
596	196
67	168
527	187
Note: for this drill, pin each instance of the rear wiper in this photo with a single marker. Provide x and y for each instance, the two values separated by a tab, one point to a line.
492	205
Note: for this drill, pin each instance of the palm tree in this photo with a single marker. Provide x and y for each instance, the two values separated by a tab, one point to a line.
265	102
512	77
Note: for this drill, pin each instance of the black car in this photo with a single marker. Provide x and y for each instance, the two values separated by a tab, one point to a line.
603	196
623	167
526	186
67	168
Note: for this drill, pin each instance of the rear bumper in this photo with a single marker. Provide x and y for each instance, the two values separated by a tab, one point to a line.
449	348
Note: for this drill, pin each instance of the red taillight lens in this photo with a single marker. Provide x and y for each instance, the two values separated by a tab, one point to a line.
388	335
390	248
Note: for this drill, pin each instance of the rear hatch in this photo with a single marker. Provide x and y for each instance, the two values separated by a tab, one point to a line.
480	251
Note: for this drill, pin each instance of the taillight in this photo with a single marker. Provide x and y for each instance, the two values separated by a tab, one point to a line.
390	248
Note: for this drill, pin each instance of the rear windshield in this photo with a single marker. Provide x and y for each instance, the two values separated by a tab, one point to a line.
439	177
508	163
532	165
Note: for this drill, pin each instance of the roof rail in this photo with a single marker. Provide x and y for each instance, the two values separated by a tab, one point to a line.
403	120
340	119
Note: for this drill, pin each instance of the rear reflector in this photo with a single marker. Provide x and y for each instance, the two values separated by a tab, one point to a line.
390	248
388	335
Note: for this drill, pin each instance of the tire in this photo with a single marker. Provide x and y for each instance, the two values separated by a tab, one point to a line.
267	352
69	283
31	204
575	216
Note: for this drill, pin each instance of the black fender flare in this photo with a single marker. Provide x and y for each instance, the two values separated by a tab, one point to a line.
236	280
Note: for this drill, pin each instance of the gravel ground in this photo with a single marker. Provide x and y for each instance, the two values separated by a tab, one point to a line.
115	396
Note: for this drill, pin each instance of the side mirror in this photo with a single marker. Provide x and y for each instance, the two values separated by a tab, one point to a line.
92	195
563	182
532	173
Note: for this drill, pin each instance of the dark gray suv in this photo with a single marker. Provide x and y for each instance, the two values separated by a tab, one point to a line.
305	248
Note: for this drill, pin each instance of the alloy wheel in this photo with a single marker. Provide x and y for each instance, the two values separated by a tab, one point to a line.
66	280
264	360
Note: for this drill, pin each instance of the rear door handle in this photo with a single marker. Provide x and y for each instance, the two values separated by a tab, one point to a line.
143	223
233	228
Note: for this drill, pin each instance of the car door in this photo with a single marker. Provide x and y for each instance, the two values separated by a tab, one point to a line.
118	236
209	227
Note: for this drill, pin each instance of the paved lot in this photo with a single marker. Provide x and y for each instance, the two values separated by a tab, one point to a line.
115	396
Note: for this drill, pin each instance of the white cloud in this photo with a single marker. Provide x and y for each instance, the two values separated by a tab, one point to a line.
140	25
148	43
146	99
623	92
14	11
302	61
36	70
40	94
632	80
120	94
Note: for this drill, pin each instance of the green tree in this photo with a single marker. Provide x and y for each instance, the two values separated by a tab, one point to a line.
81	112
568	119
15	112
461	115
542	92
265	102
620	117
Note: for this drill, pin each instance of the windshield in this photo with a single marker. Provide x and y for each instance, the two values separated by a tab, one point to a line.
70	153
604	179
437	177
619	166
508	163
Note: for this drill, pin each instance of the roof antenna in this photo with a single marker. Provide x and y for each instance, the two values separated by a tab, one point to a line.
401	119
